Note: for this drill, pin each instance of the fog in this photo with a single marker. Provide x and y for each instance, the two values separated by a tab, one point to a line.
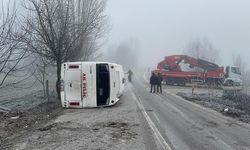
165	27
125	53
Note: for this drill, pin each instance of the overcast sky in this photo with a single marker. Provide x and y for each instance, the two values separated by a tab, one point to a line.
164	27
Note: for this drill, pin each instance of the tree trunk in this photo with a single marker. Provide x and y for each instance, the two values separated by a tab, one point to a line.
44	90
58	86
43	83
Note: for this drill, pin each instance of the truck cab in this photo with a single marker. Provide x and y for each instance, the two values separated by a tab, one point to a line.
232	76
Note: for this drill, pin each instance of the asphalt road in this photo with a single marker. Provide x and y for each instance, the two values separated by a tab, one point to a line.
187	126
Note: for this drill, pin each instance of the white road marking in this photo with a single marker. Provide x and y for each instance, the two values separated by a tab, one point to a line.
145	78
156	132
156	117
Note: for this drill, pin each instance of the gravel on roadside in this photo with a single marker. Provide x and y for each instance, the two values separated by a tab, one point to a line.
236	107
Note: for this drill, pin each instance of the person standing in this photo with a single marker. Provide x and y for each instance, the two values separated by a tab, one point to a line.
130	73
159	80
153	81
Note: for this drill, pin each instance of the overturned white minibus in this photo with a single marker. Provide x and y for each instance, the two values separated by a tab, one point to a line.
91	84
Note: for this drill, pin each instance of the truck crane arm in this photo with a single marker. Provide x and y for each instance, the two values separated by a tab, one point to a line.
172	63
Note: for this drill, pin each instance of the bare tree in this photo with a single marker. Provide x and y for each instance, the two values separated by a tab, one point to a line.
64	30
11	48
202	49
89	13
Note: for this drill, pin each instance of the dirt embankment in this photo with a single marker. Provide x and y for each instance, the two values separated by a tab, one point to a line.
237	106
17	122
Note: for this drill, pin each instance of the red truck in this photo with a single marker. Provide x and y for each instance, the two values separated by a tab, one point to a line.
182	69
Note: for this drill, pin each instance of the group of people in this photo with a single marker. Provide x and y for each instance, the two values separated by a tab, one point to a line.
155	82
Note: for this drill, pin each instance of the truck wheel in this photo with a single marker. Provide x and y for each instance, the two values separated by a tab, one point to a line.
183	82
229	83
